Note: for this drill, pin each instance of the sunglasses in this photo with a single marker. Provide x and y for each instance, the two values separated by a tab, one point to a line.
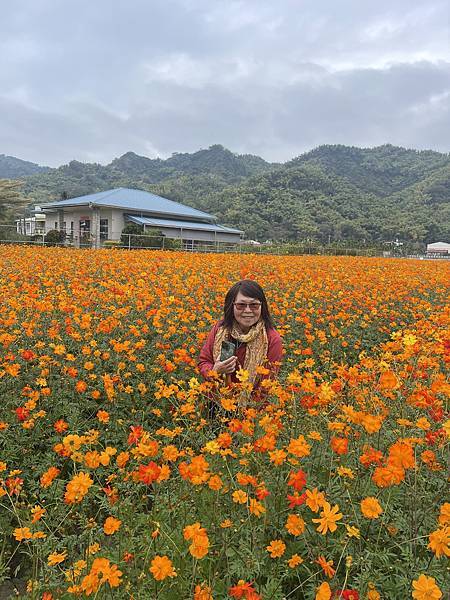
253	306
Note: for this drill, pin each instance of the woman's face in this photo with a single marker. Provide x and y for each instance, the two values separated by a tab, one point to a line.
247	311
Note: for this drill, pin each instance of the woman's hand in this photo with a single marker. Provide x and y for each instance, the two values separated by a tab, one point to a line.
225	366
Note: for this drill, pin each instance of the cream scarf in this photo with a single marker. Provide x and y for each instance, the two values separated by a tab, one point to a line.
257	345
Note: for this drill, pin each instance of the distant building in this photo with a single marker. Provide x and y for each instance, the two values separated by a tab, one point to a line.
438	249
31	225
95	218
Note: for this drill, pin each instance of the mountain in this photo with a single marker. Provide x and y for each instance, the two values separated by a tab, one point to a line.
331	194
14	168
381	171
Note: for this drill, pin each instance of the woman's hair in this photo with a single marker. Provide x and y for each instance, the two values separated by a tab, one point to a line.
251	289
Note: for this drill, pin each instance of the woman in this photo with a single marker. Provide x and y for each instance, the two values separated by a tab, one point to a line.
247	323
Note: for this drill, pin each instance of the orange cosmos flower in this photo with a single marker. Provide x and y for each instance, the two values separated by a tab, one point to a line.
122	459
323	592
401	455
328	518
47	478
370	508
81	386
200	542
111	525
244	590
77	488
149	473
388	381
444	515
295	524
215	483
256	508
327	566
239	496
56	557
170	453
339	445
161	568
22	533
439	542
276	548
294	561
202	592
389	475
299	447
60	426
277	457
38	512
103	416
314	499
370	456
425	588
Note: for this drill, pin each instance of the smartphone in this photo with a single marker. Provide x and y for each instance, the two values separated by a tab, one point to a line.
227	350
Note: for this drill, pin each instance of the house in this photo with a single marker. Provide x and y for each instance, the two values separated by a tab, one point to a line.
438	249
93	219
31	224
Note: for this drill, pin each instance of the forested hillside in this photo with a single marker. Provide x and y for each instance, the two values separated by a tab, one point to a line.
331	194
14	168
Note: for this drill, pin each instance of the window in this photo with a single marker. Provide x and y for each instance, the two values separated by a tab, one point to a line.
103	229
85	227
64	226
56	224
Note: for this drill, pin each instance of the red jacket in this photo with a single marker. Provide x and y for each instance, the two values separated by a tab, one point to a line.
274	353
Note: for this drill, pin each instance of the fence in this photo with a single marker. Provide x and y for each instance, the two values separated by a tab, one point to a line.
130	241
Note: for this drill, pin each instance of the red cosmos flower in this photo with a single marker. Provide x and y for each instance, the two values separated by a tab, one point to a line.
432	437
346	594
297	480
28	355
244	590
296	499
234	425
148	474
262	493
135	435
22	413
437	414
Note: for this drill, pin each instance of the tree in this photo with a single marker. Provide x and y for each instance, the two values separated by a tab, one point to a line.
10	198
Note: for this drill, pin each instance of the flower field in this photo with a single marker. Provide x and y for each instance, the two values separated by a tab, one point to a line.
115	482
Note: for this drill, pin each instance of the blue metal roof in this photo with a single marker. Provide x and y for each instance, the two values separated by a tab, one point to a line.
181	224
133	200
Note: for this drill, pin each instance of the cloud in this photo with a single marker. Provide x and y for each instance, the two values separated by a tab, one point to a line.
91	80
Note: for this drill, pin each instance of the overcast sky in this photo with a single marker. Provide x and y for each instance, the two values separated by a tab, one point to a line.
93	79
